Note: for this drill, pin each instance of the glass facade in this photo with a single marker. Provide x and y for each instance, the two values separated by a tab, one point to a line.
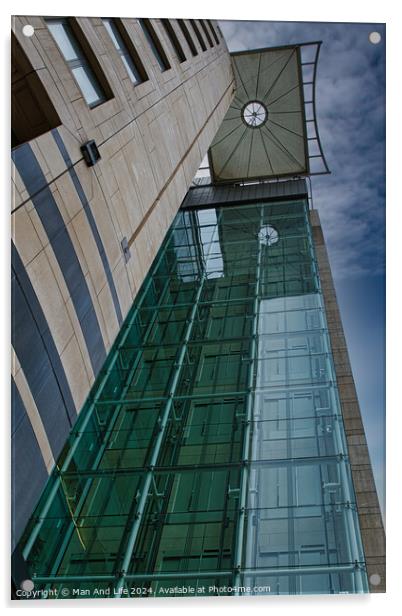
210	457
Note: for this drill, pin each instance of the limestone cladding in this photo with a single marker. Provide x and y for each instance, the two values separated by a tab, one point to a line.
69	220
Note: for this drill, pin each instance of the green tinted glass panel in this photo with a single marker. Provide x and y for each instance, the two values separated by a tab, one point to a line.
211	452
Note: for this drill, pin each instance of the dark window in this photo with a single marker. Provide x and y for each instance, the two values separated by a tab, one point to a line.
125	49
173	39
206	32
187	36
32	111
213	31
154	44
82	62
198	34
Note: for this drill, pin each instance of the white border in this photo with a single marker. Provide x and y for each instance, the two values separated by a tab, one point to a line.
303	10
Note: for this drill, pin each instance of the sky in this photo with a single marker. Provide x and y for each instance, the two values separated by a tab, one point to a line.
350	103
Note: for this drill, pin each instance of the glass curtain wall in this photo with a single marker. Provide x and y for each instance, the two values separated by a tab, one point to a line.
210	457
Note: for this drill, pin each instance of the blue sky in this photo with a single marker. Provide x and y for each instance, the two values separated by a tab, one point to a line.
351	120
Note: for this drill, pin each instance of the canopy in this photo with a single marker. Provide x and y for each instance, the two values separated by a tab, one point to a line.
263	134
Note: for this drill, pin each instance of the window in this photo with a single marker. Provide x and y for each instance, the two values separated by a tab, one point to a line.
64	32
32	111
207	34
187	36
213	31
128	55
173	39
154	44
198	35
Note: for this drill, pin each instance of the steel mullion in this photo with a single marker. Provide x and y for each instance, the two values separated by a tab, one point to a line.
249	412
52	494
101	451
158	443
272	571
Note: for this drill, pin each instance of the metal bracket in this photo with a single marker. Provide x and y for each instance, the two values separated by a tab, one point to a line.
126	249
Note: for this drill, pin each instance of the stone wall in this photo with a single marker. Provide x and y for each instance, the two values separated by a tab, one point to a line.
72	283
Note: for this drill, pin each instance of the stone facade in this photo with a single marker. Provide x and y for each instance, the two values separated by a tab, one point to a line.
73	283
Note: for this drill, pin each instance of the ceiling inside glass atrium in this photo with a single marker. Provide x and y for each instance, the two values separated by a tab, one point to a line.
263	134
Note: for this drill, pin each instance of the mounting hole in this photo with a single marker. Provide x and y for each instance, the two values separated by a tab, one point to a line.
268	235
28	30
27	585
254	114
375	38
375	579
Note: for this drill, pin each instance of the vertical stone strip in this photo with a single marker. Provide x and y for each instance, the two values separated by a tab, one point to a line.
370	520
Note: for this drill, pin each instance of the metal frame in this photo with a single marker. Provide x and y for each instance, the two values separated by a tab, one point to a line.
312	102
245	107
239	571
165	415
283	571
79	427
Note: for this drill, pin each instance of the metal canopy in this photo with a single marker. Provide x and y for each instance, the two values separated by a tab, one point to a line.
270	129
